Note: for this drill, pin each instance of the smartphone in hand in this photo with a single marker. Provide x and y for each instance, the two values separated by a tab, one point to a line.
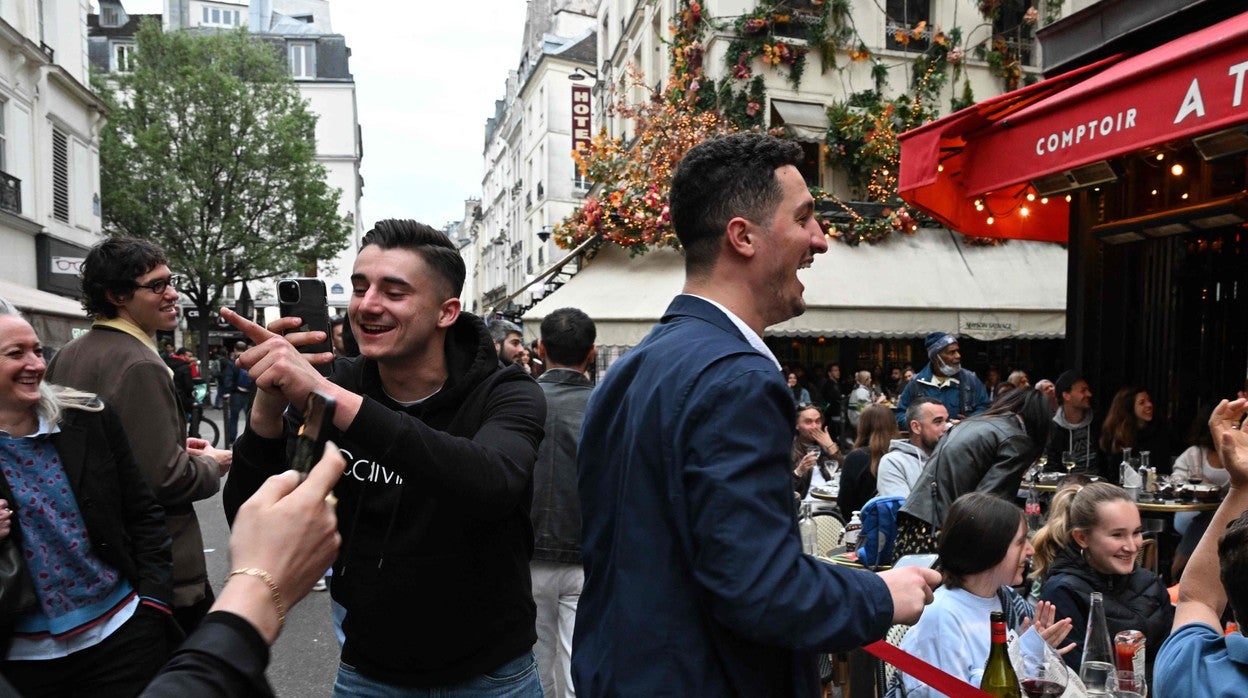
306	298
318	417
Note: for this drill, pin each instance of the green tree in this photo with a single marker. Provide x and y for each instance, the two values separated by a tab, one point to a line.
209	152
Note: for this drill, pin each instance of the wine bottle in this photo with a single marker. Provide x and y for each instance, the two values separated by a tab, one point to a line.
1096	670
999	677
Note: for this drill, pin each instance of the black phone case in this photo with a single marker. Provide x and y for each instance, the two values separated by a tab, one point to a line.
313	308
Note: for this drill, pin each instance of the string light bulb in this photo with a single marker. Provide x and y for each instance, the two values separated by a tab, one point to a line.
1025	211
1044	200
1031	196
991	220
1176	169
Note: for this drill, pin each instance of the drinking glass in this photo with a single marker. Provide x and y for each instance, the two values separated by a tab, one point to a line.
1068	460
1044	673
1128	684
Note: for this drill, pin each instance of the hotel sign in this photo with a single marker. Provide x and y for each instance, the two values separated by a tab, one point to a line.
580	117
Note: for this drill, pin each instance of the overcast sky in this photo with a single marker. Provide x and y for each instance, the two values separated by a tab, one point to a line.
426	77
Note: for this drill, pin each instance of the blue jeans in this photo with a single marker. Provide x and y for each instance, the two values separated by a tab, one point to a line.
514	679
240	404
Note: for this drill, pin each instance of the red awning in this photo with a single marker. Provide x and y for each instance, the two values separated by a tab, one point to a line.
1189	86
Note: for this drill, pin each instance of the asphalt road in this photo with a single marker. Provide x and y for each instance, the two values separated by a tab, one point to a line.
305	658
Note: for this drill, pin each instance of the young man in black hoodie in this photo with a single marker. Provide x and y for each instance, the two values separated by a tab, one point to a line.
1075	430
433	507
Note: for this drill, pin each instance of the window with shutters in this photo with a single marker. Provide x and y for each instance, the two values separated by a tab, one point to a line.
60	176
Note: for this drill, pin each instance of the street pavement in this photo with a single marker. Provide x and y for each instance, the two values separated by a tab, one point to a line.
304	659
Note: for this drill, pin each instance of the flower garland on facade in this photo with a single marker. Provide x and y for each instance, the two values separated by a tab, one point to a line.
631	208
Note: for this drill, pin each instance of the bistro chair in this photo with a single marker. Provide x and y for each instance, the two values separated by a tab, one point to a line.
829	531
1146	556
883	670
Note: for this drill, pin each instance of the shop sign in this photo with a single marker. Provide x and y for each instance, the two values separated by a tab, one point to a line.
59	267
1123	109
987	326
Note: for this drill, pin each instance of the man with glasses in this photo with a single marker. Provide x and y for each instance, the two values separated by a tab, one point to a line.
129	293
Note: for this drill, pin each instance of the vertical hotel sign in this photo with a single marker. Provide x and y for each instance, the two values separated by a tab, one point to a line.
580	117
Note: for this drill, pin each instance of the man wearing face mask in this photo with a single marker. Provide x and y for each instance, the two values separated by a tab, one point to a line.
943	378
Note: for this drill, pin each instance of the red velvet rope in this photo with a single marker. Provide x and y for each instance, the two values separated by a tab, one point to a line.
932	676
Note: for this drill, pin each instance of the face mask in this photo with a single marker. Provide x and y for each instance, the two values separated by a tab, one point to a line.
945	369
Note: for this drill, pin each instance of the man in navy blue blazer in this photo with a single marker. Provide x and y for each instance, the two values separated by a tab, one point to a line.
695	583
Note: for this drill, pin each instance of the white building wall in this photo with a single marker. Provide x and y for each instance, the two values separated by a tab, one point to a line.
37	93
530	146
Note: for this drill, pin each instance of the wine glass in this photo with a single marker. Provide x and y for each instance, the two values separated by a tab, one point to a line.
1068	460
1044	672
1197	474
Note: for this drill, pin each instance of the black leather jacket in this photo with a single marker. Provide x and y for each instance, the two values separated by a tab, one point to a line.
556	507
980	454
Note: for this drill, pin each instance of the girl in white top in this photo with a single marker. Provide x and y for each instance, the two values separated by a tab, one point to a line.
983	551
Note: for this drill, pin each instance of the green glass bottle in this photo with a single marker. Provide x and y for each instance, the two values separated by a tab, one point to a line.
999	677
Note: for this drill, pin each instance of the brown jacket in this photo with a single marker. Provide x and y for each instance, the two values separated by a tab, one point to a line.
133	380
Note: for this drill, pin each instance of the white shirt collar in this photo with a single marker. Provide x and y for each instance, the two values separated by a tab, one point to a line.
750	336
46	428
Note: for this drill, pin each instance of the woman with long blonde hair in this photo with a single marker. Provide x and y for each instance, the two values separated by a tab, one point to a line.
1090	544
877	427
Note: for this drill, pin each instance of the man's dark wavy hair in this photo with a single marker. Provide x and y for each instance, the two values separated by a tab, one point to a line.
568	335
720	179
431	244
113	265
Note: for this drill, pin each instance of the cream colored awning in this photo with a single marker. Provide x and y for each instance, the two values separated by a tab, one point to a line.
905	287
804	121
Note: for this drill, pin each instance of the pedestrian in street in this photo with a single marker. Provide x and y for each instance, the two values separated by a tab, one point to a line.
130	293
241	392
441	440
567	349
943	378
695	581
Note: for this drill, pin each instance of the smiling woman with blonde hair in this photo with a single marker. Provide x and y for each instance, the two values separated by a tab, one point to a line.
1090	544
91	535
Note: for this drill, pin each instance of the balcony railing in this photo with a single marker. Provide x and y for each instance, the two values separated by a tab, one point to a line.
10	193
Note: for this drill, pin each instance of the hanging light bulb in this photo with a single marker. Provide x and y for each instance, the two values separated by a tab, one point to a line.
1176	169
1025	211
940	168
1044	200
991	220
1031	196
1068	198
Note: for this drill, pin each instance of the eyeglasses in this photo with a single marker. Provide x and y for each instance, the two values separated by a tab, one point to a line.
158	286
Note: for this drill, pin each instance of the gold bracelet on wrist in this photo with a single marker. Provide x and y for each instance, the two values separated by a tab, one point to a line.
267	578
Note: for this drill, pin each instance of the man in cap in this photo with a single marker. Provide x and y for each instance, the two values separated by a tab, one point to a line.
943	378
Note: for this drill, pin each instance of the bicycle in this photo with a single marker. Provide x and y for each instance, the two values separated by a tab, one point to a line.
202	427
